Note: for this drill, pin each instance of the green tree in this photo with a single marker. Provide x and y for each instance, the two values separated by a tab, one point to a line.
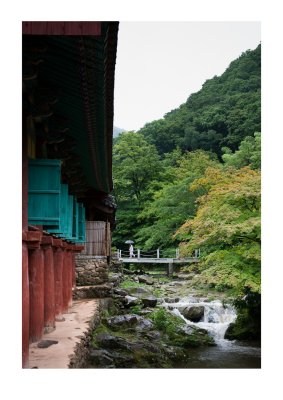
227	228
174	202
136	165
249	153
222	113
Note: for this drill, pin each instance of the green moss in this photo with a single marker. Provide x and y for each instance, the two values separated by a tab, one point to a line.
99	329
163	279
148	359
129	283
157	292
171	326
165	321
192	340
244	328
136	309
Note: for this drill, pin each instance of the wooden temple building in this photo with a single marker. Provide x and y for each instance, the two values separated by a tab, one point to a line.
68	85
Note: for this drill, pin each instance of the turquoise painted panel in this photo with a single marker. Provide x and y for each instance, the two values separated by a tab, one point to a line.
81	225
44	192
65	229
75	233
69	234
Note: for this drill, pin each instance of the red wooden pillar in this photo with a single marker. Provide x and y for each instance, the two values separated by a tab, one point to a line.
66	277
25	274
25	304
64	281
74	249
74	267
49	284
36	286
58	271
70	275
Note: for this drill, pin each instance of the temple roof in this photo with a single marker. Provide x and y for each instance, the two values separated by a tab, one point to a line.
68	83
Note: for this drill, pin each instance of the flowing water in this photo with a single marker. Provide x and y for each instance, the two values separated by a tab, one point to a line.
226	353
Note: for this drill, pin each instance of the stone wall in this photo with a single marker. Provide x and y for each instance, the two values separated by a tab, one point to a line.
116	265
90	270
79	359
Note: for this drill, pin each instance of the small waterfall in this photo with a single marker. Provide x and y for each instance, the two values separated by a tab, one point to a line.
216	319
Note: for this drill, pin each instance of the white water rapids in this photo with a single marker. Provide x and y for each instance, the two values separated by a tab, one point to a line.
215	320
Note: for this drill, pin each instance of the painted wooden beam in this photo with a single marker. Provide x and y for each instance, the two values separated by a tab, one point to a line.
74	28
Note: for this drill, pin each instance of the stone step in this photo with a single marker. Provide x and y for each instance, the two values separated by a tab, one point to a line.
93	292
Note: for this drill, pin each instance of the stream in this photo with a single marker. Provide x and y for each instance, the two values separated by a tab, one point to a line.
226	353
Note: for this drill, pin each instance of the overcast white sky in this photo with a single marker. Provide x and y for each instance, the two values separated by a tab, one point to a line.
159	64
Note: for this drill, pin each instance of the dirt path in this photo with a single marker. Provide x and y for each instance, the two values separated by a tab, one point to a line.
67	333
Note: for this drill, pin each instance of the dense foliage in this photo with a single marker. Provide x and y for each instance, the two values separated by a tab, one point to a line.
192	179
136	165
227	228
174	202
249	153
222	113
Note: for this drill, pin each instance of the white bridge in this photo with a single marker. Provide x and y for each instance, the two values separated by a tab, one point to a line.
153	257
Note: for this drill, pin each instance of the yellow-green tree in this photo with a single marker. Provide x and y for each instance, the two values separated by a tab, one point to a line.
227	228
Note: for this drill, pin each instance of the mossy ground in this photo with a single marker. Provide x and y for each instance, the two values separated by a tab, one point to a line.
146	352
244	328
166	344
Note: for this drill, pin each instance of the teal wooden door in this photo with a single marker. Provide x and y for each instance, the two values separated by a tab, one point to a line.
51	205
81	224
66	214
44	192
75	233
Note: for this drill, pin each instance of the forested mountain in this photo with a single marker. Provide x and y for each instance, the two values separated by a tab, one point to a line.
222	113
192	179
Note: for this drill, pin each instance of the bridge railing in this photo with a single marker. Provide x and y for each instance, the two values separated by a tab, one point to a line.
158	253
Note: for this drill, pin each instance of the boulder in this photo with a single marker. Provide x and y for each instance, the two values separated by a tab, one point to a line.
145	279
149	301
143	325
115	278
175	283
93	292
105	340
125	321
170	290
120	292
139	271
43	344
100	358
153	335
194	313
128	271
145	311
242	329
131	301
123	360
180	308
138	292
171	299
190	330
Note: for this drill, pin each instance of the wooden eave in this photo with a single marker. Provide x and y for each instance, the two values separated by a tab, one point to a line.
79	70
